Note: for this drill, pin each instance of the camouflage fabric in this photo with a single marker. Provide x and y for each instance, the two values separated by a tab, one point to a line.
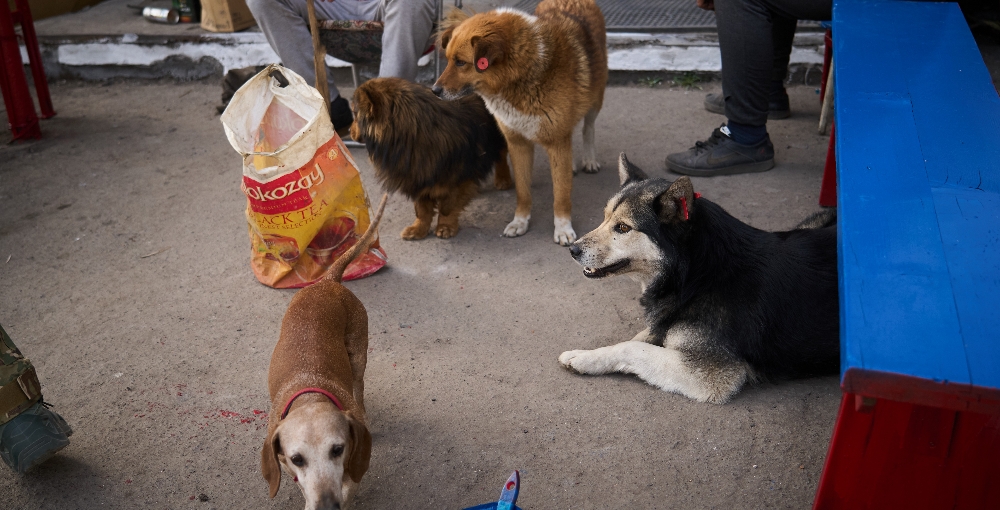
19	387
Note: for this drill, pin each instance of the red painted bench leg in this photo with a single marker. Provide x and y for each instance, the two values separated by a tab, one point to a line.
888	454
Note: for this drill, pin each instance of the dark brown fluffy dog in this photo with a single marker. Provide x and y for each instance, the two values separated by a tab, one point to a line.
433	151
539	75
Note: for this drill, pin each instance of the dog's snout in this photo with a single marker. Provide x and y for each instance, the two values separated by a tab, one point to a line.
437	90
575	250
328	502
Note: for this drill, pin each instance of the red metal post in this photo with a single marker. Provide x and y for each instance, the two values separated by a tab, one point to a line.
23	15
20	107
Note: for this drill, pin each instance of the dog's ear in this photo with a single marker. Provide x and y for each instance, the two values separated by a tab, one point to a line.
365	101
443	38
356	464
677	203
452	19
627	172
269	461
489	51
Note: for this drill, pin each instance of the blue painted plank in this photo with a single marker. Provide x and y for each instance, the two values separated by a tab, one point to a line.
955	105
896	302
918	127
970	229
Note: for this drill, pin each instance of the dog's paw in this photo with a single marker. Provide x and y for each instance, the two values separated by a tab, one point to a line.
446	231
414	232
564	234
590	167
578	362
517	227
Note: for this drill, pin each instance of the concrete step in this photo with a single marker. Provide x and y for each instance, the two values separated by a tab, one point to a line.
110	41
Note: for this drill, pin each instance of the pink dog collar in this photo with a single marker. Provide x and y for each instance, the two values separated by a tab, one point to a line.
321	391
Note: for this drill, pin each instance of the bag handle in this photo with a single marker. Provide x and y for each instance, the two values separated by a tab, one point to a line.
276	74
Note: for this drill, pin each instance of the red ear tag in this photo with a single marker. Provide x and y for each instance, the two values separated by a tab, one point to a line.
697	195
684	206
482	63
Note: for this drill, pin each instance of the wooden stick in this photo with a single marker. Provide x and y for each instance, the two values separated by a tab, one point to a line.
319	54
826	113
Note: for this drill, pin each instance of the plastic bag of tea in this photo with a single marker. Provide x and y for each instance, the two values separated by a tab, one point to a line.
305	202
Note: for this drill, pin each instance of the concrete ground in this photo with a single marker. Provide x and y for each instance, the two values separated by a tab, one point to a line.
124	263
124	275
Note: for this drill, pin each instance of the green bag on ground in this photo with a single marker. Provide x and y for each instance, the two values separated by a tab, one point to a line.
30	433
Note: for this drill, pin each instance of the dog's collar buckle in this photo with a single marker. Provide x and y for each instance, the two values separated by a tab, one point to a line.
301	392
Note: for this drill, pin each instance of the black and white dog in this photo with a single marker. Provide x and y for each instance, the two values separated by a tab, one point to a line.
725	303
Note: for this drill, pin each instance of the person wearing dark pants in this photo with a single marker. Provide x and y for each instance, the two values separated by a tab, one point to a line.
783	34
752	38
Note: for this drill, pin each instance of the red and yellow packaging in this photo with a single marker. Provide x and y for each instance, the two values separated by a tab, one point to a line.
305	201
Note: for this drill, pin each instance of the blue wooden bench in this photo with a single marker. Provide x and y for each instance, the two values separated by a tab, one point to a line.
918	153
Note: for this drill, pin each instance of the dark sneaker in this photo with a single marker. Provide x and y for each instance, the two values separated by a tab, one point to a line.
33	437
721	155
777	104
340	114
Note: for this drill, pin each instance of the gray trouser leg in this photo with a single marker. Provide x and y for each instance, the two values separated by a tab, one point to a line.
408	26
285	24
747	46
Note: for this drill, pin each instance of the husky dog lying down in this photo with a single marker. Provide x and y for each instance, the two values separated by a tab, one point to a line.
725	303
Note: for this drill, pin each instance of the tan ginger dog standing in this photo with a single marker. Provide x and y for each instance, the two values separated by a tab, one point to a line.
539	75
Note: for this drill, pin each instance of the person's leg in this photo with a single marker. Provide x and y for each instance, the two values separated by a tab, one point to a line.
285	24
783	34
748	63
742	144
748	60
408	26
755	38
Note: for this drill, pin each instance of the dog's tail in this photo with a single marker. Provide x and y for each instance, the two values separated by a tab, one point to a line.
337	269
820	219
